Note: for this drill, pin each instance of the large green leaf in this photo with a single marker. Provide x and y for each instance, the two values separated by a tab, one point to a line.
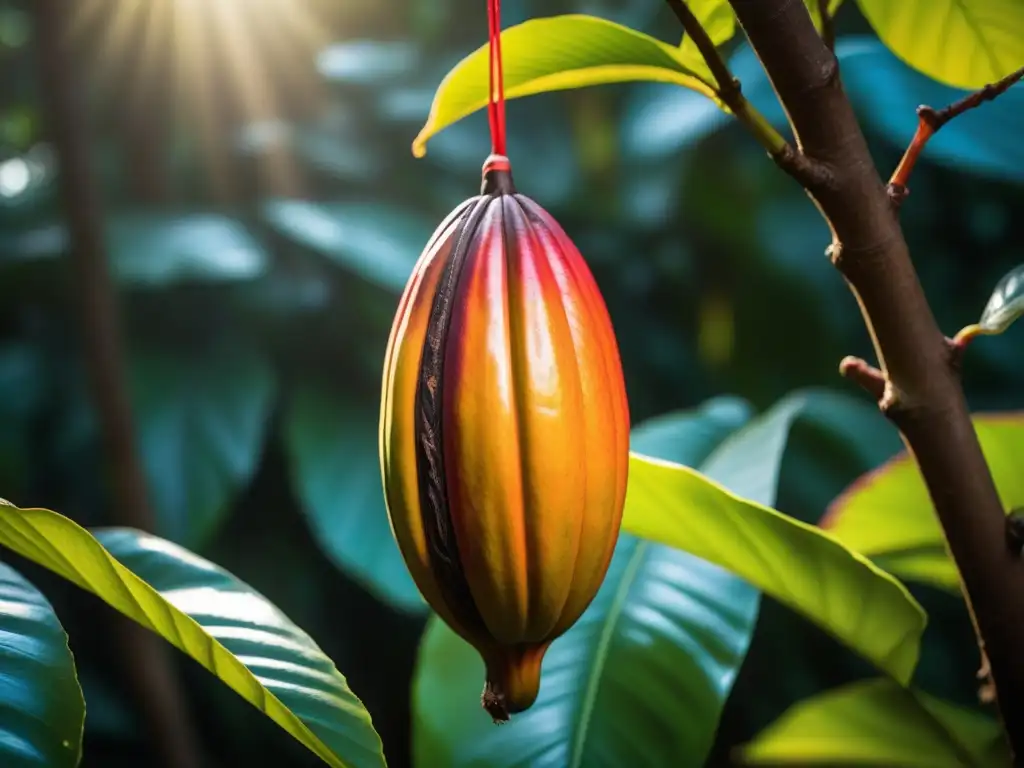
160	249
639	680
963	43
213	617
42	711
380	243
880	723
552	54
888	515
201	424
156	250
332	450
796	563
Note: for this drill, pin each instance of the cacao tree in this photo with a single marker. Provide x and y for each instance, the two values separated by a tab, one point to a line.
585	571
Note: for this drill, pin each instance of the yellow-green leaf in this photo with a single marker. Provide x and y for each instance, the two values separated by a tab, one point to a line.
553	54
814	7
963	43
795	563
719	21
206	612
888	515
876	723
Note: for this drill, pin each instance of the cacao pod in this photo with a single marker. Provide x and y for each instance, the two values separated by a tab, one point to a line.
504	433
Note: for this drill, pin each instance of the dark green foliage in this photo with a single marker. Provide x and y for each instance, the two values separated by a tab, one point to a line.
258	318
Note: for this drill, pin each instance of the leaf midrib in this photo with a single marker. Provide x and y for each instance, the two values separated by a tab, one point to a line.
601	652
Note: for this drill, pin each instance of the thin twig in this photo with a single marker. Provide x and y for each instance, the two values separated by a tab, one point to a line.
729	91
828	27
930	120
146	660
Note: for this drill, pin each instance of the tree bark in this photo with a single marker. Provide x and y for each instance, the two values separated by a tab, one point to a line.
919	378
146	659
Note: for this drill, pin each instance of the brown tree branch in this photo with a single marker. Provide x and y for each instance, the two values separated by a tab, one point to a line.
146	658
925	399
930	120
729	91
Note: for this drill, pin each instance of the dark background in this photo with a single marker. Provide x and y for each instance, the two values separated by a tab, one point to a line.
262	210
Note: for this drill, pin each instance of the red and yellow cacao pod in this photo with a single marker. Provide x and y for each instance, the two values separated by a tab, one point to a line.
504	433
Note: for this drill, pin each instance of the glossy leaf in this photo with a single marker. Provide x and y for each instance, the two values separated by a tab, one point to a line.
213	617
639	680
719	21
157	249
201	428
150	250
1006	303
963	43
552	54
878	722
888	515
332	451
797	564
42	712
379	243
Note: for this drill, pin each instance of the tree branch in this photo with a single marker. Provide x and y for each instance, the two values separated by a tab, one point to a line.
930	120
925	398
145	657
730	92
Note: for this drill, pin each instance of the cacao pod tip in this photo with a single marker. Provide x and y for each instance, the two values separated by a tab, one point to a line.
497	176
493	702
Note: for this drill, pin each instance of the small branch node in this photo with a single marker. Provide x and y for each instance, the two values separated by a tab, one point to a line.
1015	531
898	193
987	690
864	375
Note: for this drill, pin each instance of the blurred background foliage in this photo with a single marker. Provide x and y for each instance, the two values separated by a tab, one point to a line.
262	213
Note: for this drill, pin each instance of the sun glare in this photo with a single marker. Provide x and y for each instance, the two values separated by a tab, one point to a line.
247	47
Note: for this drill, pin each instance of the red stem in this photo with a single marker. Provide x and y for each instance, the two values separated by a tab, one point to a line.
496	95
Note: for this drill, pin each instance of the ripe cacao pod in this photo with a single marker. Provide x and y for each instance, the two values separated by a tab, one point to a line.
504	433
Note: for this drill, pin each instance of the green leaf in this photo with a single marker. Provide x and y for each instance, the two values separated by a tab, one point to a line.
552	54
332	451
888	515
213	617
963	43
719	21
814	7
877	722
380	243
639	680
201	426
42	712
1006	303
160	249
797	564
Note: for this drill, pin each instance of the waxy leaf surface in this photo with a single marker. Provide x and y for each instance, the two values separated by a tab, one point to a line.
42	711
796	563
552	54
876	723
219	621
963	43
888	515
